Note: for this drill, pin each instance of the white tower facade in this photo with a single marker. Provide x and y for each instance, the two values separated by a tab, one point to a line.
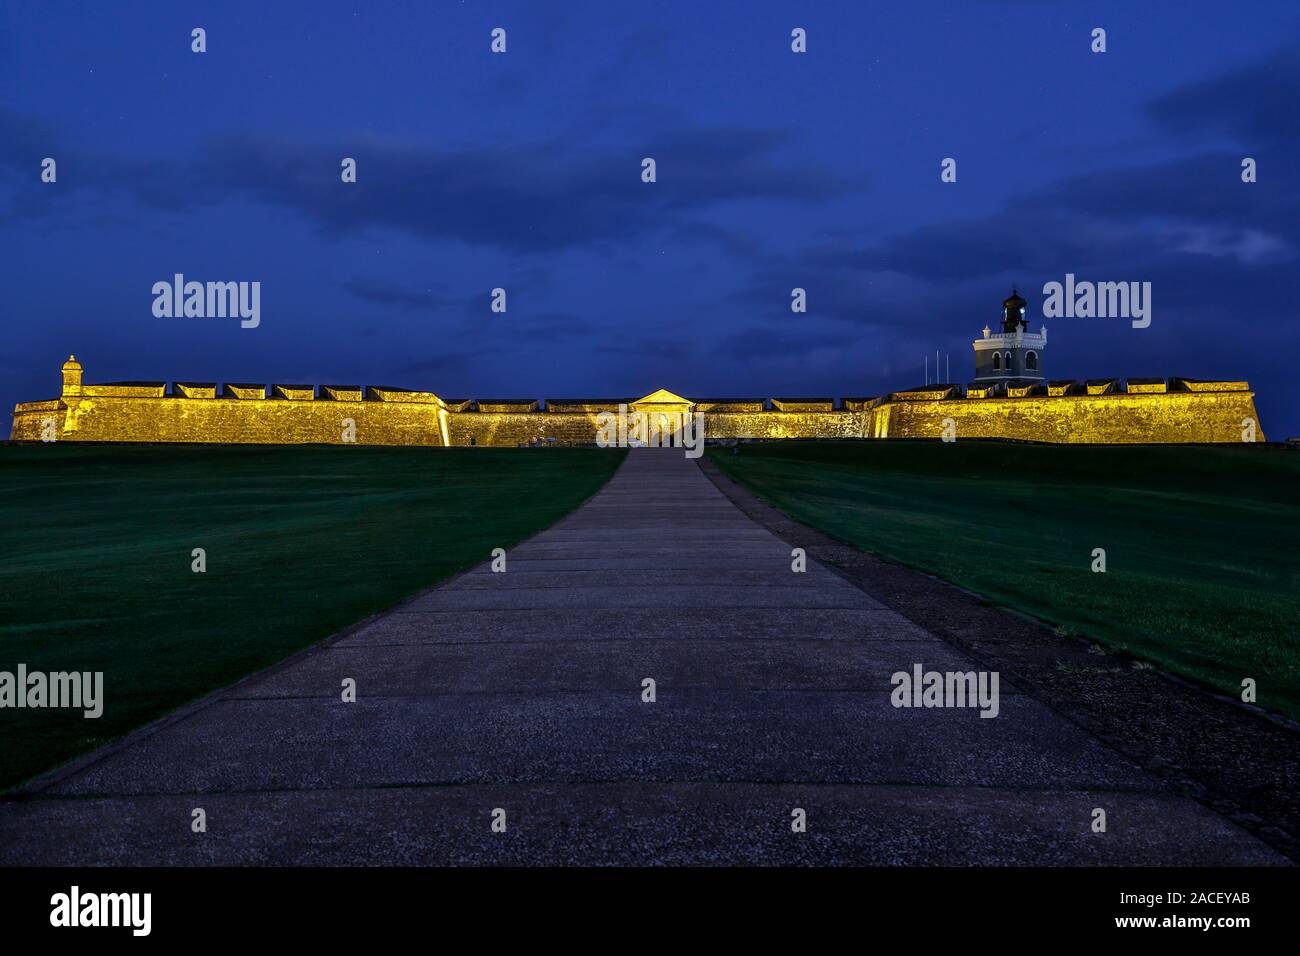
1014	352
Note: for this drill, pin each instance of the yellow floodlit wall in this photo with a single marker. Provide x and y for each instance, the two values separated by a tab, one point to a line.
1115	418
231	420
1102	411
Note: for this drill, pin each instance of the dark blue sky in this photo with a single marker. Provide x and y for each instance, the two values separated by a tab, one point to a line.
522	170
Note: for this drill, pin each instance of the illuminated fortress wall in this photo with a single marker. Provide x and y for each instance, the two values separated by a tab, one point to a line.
30	419
1187	412
237	414
1101	411
581	428
236	421
516	428
775	424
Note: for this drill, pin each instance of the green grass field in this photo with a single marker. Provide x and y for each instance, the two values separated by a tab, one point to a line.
1202	543
95	559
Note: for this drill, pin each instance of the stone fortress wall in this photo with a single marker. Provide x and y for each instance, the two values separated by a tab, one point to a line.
1104	411
1097	411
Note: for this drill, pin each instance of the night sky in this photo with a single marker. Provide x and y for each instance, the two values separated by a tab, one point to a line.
523	171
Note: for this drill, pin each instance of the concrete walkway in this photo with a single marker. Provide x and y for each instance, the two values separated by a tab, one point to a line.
523	691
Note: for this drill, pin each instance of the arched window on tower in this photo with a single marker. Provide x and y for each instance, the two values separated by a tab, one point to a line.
997	361
1031	361
1006	360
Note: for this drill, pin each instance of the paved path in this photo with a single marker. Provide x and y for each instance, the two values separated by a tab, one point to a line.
523	691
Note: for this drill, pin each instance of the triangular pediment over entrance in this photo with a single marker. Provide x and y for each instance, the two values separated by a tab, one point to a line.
661	397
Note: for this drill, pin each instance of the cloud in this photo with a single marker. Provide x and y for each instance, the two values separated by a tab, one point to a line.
1254	104
444	361
700	231
650	349
380	292
531	197
525	198
1189	220
761	342
553	326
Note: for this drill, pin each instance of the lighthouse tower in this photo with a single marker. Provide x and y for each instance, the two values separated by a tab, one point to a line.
1013	353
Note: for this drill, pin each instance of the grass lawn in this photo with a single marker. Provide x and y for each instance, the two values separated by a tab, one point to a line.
1202	543
95	559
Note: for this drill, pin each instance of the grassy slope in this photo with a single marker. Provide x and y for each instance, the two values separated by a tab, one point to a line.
1202	544
95	546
